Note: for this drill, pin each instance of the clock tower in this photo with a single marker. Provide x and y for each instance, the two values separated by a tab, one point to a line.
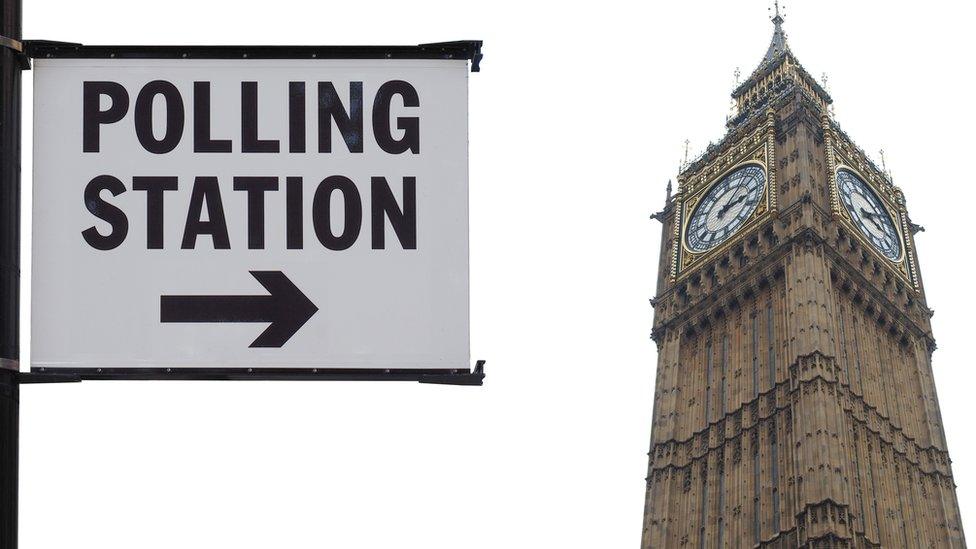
794	401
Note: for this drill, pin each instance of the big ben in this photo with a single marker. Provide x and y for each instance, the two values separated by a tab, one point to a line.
794	402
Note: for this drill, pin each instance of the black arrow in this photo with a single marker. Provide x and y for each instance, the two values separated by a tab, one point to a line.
286	308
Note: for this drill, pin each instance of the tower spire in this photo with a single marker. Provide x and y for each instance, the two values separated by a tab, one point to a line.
778	43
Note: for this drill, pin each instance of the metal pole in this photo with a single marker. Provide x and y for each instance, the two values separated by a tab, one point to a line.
10	29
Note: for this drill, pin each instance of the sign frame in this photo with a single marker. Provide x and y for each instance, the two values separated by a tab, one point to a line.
458	50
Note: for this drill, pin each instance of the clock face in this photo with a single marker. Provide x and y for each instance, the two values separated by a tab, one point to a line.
725	208
868	214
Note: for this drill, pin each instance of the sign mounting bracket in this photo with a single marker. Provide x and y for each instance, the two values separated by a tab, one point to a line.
476	377
35	378
19	50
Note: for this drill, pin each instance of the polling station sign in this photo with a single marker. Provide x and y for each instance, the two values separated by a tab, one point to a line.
255	211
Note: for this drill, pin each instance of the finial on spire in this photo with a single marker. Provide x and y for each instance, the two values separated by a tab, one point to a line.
884	166
685	163
777	18
738	75
668	198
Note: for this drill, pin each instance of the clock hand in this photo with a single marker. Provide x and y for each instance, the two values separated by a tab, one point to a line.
725	208
872	216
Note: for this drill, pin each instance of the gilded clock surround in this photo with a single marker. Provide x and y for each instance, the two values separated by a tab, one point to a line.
842	155
892	213
694	207
755	150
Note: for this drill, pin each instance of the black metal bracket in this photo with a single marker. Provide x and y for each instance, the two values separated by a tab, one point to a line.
17	47
31	45
35	378
475	378
461	49
470	48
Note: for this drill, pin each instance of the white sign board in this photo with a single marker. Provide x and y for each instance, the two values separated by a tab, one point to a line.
250	213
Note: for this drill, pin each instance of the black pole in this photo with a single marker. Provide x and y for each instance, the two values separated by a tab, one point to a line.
10	29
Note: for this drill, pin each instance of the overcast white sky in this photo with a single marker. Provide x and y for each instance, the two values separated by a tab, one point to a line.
577	122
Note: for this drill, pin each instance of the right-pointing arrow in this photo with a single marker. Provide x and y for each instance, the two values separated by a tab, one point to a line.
286	308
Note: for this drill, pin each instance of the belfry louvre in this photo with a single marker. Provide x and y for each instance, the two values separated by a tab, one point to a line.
794	401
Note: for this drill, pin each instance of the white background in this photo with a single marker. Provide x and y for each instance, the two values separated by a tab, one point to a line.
577	122
389	308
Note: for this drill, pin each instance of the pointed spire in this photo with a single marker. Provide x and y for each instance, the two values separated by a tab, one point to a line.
778	44
755	93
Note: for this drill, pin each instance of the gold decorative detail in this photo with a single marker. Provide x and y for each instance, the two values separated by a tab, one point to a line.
831	165
909	250
770	158
676	231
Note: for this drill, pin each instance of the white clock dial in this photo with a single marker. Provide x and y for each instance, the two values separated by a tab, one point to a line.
869	214
725	208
